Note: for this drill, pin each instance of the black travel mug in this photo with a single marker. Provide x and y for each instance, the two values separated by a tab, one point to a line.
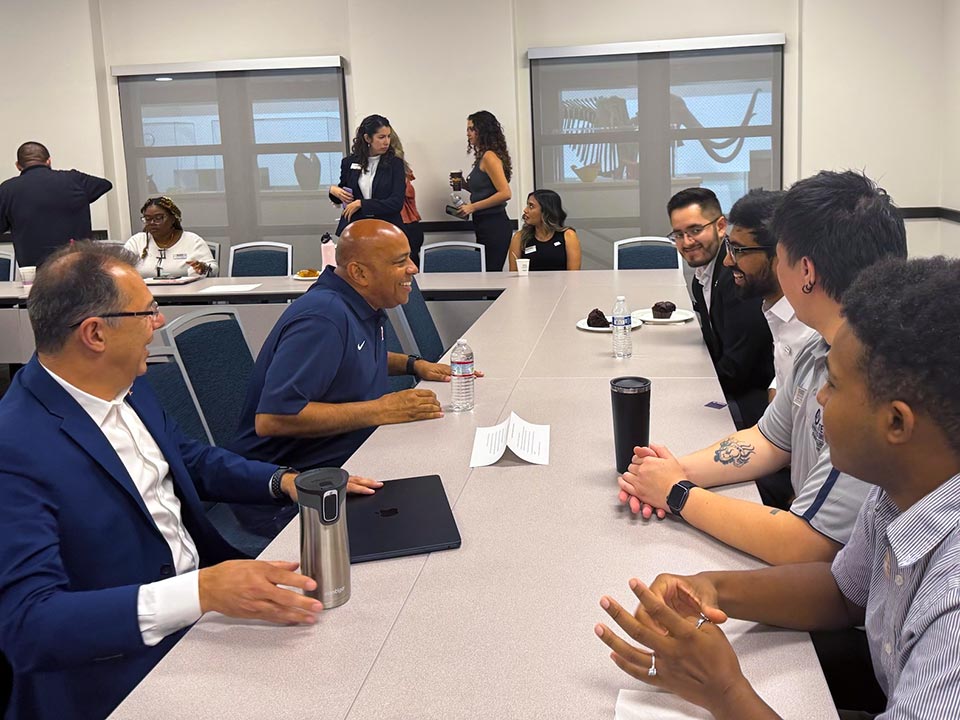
630	397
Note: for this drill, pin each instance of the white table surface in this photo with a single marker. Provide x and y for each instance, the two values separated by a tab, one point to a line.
503	626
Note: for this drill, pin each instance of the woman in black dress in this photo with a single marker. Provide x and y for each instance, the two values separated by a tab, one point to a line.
372	177
544	240
489	186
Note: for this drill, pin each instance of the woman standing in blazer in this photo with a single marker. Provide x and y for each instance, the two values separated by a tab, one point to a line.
372	178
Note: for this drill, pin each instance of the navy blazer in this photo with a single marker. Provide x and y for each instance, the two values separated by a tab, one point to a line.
738	337
77	541
389	186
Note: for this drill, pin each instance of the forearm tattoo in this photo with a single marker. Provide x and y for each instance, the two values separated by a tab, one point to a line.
733	453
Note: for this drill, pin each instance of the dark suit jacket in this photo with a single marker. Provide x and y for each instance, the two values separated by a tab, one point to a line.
389	186
46	208
738	338
77	541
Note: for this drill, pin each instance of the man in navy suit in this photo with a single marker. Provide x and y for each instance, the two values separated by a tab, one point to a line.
106	556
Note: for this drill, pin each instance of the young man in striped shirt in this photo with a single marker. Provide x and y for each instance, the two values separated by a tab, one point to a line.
891	413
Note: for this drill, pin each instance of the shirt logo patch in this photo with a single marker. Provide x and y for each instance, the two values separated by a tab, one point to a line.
817	430
360	345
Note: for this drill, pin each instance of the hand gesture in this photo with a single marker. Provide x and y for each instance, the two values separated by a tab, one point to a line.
408	406
690	597
249	589
695	662
198	267
639	453
465	210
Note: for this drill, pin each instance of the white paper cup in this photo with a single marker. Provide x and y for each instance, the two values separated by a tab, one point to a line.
523	266
28	273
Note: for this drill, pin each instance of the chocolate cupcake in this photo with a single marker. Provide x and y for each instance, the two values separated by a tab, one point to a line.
663	310
597	319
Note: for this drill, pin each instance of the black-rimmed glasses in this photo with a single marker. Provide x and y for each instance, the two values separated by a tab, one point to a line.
153	313
736	251
692	232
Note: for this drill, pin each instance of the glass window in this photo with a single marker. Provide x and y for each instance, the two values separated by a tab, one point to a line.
617	136
245	155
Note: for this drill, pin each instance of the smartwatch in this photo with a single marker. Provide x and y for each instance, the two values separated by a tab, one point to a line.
411	359
677	497
275	480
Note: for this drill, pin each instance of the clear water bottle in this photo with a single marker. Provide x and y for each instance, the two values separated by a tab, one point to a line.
456	199
621	322
461	365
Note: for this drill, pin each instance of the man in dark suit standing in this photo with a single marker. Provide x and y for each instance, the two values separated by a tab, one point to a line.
45	208
106	554
734	328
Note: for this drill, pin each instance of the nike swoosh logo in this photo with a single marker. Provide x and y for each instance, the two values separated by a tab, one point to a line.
360	346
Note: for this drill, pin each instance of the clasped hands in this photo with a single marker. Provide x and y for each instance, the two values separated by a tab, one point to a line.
649	477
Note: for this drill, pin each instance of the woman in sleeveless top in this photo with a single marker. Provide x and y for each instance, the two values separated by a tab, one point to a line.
489	186
544	240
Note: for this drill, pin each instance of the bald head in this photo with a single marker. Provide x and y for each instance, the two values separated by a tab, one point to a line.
373	256
363	239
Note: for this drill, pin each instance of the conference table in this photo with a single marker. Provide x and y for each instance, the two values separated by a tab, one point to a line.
503	626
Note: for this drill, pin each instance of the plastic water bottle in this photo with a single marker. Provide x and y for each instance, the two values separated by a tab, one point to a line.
621	322
461	364
328	250
456	199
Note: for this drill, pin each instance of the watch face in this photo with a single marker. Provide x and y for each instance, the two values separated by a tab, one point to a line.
677	498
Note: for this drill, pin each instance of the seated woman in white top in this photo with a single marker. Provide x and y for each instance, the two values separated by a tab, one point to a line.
164	248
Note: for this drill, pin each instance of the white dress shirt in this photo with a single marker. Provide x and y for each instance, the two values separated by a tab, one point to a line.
165	606
365	181
704	276
789	335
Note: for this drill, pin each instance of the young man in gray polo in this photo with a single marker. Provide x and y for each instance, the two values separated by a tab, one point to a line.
892	417
828	228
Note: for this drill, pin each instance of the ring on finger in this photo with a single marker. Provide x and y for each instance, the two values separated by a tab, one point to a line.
652	672
703	619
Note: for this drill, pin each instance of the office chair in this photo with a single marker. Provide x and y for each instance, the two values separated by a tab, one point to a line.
645	253
453	256
257	259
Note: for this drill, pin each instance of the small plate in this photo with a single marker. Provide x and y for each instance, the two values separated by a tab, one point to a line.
636	325
679	316
305	279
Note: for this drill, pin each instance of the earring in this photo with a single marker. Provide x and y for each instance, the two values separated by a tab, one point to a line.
808	287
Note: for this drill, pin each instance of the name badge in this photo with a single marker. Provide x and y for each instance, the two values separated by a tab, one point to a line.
180	256
530	249
557	244
355	166
799	396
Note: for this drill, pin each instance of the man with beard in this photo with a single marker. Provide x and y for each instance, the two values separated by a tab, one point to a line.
734	329
751	253
752	256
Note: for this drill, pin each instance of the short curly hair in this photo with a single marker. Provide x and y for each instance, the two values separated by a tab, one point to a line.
904	313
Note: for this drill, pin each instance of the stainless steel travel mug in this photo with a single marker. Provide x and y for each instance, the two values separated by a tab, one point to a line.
324	543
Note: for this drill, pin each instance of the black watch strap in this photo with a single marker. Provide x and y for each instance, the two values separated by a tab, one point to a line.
677	497
275	490
411	359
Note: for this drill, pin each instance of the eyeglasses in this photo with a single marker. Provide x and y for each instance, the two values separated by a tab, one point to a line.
152	219
692	232
736	251
153	313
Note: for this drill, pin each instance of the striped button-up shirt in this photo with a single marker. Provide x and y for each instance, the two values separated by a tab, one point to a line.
904	568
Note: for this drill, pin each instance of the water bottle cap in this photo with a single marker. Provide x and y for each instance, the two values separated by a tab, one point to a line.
621	297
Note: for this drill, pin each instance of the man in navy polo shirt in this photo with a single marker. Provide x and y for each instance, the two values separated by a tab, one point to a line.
319	388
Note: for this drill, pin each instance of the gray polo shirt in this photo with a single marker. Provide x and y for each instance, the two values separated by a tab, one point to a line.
904	568
825	497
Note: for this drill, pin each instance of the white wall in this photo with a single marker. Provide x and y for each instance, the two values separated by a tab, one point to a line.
868	84
48	89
